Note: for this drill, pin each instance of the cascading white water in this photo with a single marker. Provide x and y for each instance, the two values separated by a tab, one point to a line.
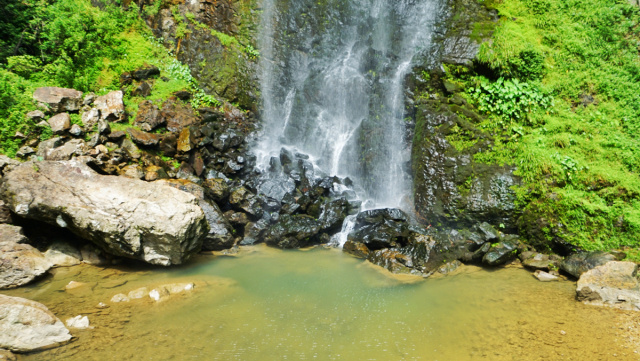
332	75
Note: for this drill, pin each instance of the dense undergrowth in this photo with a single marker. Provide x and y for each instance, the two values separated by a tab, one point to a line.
559	83
70	43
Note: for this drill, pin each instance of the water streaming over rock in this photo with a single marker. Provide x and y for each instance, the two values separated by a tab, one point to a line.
332	75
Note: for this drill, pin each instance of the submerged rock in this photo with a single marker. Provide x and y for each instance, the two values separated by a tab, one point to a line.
29	326
79	322
613	284
544	276
126	217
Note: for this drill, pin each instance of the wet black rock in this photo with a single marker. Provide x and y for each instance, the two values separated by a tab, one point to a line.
500	253
579	263
293	232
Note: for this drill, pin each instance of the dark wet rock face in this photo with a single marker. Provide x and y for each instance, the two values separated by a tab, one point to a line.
579	263
390	239
293	232
500	253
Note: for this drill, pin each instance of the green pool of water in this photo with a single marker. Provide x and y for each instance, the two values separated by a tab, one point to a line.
321	304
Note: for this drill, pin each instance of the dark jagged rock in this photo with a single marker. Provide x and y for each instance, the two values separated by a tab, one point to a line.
142	90
177	115
332	214
145	73
217	188
236	218
293	232
500	253
380	228
579	263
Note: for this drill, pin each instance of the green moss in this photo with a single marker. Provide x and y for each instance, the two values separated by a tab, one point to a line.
577	158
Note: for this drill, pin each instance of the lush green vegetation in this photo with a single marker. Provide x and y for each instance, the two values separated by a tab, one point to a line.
69	43
560	85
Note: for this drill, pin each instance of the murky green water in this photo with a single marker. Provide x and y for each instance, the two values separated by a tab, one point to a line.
267	304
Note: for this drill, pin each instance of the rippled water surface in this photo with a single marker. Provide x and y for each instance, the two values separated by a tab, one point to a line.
267	304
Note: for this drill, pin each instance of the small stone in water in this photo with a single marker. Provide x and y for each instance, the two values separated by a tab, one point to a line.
81	322
120	297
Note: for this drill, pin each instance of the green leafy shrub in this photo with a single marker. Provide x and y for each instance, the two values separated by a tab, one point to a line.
508	98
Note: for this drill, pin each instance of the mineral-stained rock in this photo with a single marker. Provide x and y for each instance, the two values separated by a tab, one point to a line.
60	123
143	138
220	232
613	284
132	171
177	115
59	99
579	263
19	263
149	117
185	140
29	326
153	172
111	106
126	217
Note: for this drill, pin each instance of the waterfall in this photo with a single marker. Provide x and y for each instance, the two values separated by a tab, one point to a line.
332	74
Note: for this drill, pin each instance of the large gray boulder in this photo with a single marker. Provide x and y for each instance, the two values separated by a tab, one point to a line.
20	263
125	217
59	99
613	284
29	326
220	234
